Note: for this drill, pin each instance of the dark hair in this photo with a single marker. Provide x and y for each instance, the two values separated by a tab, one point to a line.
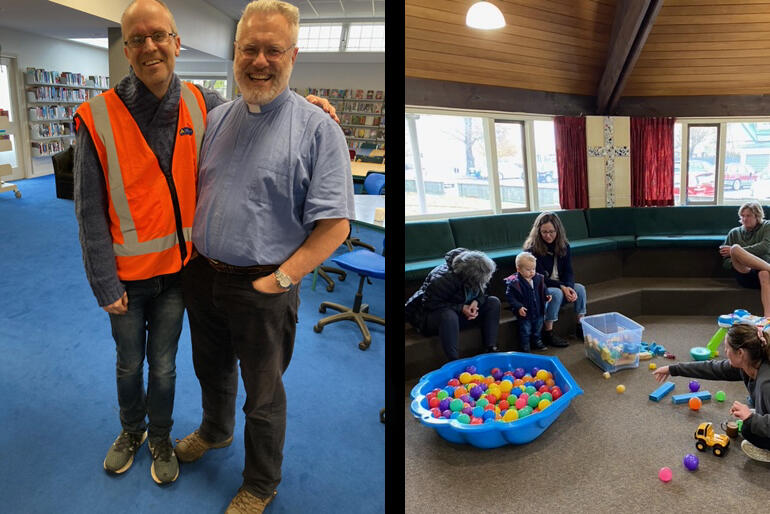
474	268
743	336
535	243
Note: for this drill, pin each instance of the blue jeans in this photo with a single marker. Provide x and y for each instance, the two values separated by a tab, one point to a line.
529	331
151	327
557	298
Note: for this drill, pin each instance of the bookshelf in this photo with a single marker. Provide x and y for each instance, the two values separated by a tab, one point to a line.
6	145
361	113
52	99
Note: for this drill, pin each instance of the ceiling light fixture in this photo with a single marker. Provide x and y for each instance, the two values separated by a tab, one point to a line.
484	15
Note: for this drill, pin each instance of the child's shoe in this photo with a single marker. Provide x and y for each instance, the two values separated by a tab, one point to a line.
538	345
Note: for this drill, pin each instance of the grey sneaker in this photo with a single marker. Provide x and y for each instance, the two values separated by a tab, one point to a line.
754	452
121	454
165	467
192	447
246	503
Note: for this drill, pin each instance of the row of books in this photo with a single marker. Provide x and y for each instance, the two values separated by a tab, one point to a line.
59	94
41	130
359	107
66	78
358	144
364	133
43	148
355	119
358	94
51	112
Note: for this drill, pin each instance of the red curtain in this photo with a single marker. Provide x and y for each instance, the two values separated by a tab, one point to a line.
652	161
572	161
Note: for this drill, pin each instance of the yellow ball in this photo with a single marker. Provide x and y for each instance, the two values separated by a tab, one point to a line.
510	415
541	374
606	374
621	388
465	377
506	386
545	402
653	365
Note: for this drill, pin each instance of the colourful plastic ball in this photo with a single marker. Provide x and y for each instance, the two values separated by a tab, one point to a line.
496	373
435	412
477	411
720	396
471	369
665	474
542	374
524	412
653	365
465	377
456	405
453	382
556	393
491	398
447	413
455	415
434	402
482	402
464	418
695	403
620	389
476	421
506	386
547	396
490	414
476	392
531	390
533	401
467	409
510	415
520	403
519	372
694	386
504	405
442	394
690	461
543	404
606	374
534	371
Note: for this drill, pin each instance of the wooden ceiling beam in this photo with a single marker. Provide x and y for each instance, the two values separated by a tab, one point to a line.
633	23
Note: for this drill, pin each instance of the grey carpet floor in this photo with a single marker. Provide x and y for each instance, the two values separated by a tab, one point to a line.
603	453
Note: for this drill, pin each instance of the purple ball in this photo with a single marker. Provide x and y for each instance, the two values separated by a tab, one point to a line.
468	410
534	371
483	386
694	386
447	413
466	398
538	384
471	369
690	461
518	372
476	392
444	404
497	375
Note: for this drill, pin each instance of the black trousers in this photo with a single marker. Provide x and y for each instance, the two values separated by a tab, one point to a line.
447	324
230	322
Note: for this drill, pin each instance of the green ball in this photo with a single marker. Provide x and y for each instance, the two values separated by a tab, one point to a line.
442	394
532	401
531	390
546	396
464	418
525	411
456	405
720	396
482	402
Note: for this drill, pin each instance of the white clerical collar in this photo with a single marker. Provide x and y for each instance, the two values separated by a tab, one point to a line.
253	107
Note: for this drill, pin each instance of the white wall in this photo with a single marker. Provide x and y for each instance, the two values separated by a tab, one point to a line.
35	51
339	76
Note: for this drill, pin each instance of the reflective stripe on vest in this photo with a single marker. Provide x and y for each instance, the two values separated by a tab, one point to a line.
95	113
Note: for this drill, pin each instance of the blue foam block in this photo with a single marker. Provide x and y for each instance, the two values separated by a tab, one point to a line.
662	391
684	398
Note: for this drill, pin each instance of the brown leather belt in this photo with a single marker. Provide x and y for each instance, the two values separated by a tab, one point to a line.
222	267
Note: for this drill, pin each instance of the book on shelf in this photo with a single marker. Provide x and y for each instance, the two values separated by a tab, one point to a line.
379	95
370	95
359	94
66	78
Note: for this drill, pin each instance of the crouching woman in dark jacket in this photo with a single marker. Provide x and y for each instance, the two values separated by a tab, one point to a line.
453	297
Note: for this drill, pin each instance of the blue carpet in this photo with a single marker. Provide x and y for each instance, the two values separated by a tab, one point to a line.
58	402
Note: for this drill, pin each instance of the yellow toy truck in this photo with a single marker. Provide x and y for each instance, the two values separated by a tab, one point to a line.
705	436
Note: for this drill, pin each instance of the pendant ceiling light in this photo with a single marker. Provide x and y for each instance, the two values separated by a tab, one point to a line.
484	15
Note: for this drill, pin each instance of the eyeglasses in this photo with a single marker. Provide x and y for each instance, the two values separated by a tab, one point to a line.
271	54
547	232
157	38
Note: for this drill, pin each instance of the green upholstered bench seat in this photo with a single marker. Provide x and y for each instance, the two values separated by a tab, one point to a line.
592	245
418	270
688	241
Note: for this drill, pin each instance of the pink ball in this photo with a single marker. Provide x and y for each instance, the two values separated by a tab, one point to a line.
665	474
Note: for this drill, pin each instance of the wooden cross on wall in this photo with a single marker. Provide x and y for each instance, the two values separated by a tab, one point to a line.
609	151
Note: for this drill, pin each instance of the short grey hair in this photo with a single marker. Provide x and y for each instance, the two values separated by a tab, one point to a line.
755	208
285	9
474	268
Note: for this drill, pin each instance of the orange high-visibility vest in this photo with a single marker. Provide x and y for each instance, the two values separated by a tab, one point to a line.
143	222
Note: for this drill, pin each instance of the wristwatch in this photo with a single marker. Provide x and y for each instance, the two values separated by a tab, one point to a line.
284	280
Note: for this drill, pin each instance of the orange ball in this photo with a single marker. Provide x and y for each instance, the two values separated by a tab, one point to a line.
695	403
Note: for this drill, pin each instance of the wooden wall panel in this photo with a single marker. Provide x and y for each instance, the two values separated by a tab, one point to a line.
548	45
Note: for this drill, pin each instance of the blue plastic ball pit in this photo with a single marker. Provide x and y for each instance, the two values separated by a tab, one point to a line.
494	435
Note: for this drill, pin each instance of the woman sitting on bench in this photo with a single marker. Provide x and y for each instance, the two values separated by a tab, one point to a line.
547	241
453	297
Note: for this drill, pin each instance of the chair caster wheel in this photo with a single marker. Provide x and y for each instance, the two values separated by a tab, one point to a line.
363	345
322	309
330	287
365	308
317	329
17	194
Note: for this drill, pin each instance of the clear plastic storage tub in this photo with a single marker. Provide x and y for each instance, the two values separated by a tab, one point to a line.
498	433
612	341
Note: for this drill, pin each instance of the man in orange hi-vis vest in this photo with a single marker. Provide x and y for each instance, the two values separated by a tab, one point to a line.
136	159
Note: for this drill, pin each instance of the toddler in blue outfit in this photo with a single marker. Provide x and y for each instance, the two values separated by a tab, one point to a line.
525	291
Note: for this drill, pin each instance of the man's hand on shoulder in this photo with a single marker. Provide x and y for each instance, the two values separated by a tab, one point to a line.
324	104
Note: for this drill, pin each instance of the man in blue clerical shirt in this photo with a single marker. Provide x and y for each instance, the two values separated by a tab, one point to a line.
275	193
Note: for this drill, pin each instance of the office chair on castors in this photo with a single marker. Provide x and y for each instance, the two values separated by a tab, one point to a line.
323	272
366	264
